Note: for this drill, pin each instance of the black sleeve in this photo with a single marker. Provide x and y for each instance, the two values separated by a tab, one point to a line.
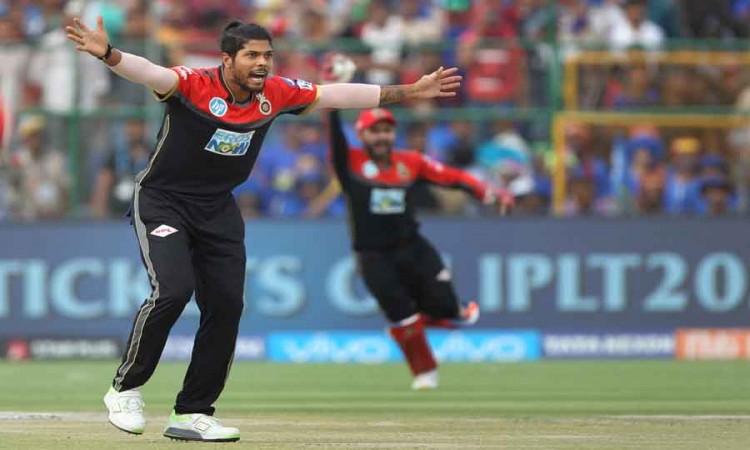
339	152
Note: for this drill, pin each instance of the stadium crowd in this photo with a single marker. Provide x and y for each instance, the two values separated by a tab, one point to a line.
503	47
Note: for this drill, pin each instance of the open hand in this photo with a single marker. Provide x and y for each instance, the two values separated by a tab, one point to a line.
440	83
505	200
94	42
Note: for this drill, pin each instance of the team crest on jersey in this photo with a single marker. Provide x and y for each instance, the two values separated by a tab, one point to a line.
264	105
370	170
218	106
403	171
229	143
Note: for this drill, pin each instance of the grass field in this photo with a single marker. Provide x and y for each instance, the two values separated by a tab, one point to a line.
549	405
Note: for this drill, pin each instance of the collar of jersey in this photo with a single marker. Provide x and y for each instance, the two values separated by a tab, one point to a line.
230	96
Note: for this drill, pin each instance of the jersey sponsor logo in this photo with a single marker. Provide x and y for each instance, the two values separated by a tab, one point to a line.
387	201
229	143
370	170
264	105
164	231
306	85
218	106
288	81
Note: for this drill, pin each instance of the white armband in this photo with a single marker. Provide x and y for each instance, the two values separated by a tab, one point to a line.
140	70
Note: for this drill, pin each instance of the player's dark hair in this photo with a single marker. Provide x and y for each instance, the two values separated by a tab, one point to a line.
236	35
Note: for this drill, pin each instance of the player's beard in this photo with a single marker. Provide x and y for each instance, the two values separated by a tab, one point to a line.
242	81
379	150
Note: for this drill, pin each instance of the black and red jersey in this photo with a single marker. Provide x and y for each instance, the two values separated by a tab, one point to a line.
381	212
208	143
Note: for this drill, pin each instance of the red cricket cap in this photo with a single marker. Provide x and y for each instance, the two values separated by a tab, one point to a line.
369	117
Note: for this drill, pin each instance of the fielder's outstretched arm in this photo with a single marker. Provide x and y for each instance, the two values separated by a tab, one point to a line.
436	173
439	84
339	148
131	67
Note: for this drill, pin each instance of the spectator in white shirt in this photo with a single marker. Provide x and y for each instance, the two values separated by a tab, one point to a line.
635	30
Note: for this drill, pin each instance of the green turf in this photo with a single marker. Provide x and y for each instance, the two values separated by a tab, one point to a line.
549	405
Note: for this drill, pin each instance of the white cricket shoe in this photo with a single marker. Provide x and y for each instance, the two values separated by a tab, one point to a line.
425	381
126	410
199	427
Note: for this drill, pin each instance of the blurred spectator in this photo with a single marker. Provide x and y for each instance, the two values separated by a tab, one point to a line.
675	87
666	15
713	166
634	29
645	154
580	141
293	170
460	148
650	197
67	79
582	197
383	33
14	57
424	196
574	24
201	13
249	197
535	202
717	191
115	182
539	19
422	22
311	37
308	186
172	32
713	19
638	91
682	191
605	15
493	68
505	159
136	31
41	177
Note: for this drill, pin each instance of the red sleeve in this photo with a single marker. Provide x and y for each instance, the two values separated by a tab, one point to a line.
188	81
290	96
437	173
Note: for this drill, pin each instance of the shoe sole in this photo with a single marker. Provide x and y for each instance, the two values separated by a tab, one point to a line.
135	433
177	434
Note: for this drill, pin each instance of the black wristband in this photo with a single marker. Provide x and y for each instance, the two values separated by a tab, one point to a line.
107	54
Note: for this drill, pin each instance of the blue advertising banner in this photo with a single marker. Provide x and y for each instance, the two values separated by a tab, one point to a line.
373	347
557	276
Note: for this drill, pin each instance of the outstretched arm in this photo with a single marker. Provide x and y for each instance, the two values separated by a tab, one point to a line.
131	67
339	148
439	174
439	84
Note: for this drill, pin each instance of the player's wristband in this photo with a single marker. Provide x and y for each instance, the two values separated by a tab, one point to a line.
107	54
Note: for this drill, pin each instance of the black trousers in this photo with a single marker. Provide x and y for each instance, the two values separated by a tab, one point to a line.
205	256
409	279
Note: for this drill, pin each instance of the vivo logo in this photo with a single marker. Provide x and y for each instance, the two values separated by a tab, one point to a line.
331	347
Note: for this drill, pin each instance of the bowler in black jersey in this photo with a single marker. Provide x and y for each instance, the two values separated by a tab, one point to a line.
189	228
